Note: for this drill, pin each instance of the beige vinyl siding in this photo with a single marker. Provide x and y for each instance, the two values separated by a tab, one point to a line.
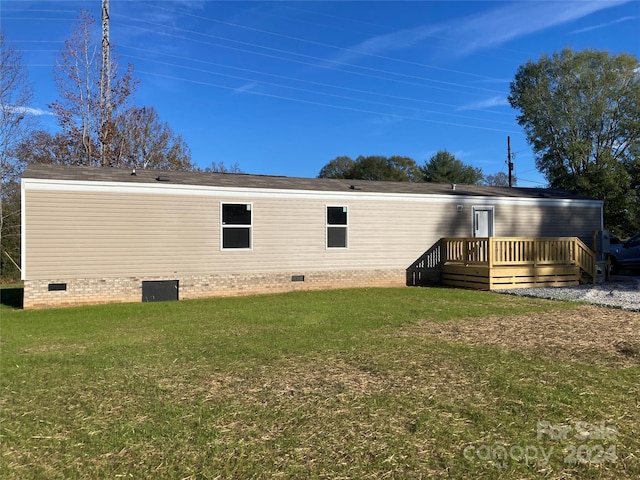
547	221
291	234
97	234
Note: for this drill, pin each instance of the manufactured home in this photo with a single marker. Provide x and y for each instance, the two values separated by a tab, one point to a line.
92	235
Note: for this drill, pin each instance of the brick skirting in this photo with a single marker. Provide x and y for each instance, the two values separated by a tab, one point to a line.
61	292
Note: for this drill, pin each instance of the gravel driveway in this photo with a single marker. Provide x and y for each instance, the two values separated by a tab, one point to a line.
621	291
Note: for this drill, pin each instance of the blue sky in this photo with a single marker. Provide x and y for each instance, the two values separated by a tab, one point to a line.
281	88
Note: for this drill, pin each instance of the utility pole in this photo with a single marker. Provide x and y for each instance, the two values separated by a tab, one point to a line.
105	83
509	162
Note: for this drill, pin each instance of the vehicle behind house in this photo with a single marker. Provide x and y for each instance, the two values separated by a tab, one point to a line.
627	256
615	244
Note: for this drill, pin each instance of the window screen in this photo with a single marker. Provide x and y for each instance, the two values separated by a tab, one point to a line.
337	227
236	225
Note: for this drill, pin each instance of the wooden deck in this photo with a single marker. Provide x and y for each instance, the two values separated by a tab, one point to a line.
516	262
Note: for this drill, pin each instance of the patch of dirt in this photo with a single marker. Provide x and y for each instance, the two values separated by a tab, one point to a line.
303	379
589	334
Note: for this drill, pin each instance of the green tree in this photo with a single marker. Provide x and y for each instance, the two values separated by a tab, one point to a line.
375	167
444	167
339	167
390	169
581	114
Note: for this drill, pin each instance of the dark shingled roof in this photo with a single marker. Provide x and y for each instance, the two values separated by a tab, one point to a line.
106	174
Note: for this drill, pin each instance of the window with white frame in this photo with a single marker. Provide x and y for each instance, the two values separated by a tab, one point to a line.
237	223
337	227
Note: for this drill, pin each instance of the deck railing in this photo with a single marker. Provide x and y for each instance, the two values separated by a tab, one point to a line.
518	251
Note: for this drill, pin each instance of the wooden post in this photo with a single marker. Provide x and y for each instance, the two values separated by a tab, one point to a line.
490	253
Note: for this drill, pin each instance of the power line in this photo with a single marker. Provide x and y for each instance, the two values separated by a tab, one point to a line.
312	61
37	19
39	10
285	77
341	107
351	72
362	74
327	45
288	52
343	97
531	181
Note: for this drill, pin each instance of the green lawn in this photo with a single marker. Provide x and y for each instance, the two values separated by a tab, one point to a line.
332	384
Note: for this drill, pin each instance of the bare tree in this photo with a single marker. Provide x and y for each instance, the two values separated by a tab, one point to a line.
43	147
81	113
144	141
15	122
15	96
104	130
499	179
220	167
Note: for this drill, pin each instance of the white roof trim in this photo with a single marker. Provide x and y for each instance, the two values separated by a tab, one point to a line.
40	184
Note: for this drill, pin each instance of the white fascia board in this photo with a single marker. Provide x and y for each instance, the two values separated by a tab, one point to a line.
40	184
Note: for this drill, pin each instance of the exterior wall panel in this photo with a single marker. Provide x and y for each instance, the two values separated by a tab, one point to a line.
97	235
93	235
121	237
547	221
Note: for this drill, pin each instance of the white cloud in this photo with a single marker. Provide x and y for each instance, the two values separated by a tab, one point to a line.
36	112
604	25
381	44
385	120
497	101
246	88
499	26
491	28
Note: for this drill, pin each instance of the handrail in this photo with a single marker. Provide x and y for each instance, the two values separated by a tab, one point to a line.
517	251
586	259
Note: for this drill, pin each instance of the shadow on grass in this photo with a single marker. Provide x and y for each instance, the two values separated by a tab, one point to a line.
12	297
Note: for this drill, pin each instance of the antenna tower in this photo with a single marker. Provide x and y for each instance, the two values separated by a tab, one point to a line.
105	81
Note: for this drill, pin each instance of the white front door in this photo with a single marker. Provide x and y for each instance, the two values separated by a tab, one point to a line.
483	221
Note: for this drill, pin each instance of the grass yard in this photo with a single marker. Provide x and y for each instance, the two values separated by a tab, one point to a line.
370	383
